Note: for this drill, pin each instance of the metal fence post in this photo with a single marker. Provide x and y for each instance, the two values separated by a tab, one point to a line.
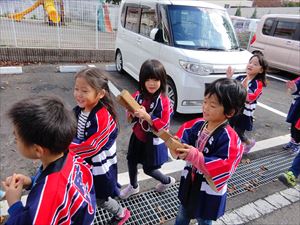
96	28
14	32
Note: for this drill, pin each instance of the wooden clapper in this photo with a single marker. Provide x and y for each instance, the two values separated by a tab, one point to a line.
126	100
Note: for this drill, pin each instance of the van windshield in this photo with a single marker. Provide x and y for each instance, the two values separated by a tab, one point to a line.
201	28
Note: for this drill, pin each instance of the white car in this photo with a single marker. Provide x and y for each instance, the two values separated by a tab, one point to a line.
194	40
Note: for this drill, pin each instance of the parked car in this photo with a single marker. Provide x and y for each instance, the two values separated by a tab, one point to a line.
194	40
278	39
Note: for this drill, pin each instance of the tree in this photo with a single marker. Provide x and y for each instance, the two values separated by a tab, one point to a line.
254	14
238	11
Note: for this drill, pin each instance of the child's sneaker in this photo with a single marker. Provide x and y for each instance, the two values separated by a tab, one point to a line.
248	147
288	145
128	191
295	147
288	179
120	220
162	187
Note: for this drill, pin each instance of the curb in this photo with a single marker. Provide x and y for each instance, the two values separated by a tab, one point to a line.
260	207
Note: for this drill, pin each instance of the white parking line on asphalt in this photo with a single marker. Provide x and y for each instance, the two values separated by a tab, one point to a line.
272	109
271	142
113	89
276	78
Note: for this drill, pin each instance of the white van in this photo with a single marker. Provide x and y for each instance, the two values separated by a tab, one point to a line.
194	40
278	39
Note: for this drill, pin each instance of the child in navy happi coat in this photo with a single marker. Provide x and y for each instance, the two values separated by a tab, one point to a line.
95	140
293	116
212	150
144	146
253	81
289	178
62	191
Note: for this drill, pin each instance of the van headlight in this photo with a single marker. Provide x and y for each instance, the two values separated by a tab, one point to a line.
191	67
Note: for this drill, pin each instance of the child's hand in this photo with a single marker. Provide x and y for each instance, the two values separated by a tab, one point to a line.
142	114
13	188
26	180
291	86
183	152
176	138
129	114
229	72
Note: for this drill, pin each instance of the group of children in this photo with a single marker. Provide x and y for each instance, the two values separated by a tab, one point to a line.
79	163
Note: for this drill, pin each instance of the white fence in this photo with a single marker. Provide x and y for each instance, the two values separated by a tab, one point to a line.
85	25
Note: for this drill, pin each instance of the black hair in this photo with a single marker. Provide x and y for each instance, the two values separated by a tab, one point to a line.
45	121
230	93
264	65
98	80
153	69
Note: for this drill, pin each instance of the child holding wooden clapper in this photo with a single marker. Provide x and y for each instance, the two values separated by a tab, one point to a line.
212	150
153	114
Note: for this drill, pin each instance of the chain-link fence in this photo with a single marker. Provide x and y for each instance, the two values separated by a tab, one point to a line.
62	24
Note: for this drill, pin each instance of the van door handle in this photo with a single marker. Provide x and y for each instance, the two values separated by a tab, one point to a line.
288	42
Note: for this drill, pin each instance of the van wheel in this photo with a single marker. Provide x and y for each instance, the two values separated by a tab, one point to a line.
119	62
172	94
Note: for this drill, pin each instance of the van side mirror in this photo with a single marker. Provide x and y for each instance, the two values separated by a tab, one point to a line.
157	35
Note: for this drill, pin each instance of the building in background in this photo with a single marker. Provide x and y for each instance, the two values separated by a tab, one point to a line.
267	3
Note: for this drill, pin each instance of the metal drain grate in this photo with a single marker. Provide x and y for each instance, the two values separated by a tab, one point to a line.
249	177
149	208
152	208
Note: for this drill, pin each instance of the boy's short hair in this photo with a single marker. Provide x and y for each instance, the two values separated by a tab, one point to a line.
45	121
230	93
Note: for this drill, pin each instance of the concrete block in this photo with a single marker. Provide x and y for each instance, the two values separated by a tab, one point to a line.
218	222
277	200
263	206
11	70
291	194
72	68
110	68
248	212
232	218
